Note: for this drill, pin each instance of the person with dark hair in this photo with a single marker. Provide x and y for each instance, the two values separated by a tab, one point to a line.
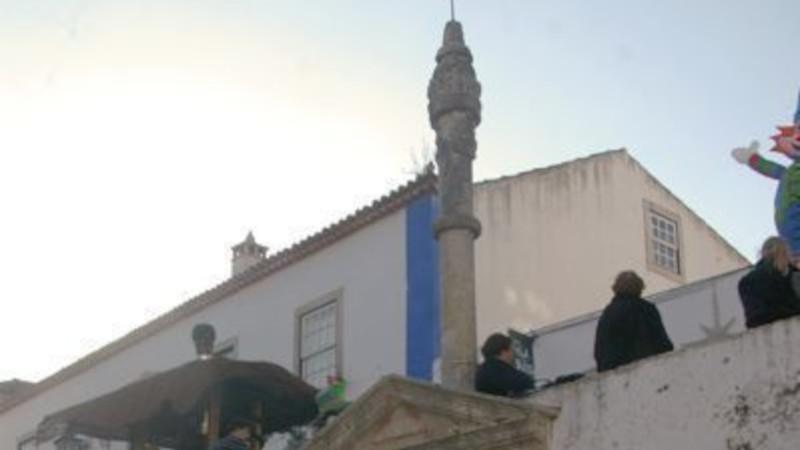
766	291
497	375
239	435
630	327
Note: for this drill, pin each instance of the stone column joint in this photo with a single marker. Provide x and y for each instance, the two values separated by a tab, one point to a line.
457	222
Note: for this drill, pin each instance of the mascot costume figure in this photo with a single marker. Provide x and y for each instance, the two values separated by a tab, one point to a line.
787	198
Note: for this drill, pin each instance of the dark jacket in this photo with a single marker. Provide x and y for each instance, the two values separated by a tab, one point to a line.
230	443
496	377
767	295
629	329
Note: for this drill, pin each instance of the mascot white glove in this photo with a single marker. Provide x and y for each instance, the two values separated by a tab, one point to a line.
743	154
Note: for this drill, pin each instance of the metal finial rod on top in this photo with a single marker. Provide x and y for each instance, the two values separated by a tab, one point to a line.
453	10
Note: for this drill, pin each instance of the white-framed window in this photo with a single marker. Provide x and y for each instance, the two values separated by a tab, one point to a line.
318	341
664	251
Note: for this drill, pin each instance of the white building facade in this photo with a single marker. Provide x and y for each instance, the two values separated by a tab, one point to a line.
360	299
340	302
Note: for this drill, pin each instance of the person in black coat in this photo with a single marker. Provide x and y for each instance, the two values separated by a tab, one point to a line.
630	327
497	375
766	291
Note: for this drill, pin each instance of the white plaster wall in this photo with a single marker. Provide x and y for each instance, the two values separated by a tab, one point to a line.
740	393
568	347
369	267
554	239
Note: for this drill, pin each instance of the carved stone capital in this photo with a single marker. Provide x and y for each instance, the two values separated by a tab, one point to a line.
454	86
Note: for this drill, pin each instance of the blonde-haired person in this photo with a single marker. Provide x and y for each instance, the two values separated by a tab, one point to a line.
766	291
630	327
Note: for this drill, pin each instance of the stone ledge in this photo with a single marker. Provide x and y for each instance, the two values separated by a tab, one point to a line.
519	434
403	414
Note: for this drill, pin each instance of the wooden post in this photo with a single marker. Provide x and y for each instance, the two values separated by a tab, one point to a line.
214	414
139	439
258	413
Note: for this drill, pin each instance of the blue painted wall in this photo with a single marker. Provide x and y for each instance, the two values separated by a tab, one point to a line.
422	295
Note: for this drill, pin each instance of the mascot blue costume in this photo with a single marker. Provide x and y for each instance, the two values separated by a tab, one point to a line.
787	197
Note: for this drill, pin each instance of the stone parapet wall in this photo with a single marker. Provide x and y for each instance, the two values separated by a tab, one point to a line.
737	393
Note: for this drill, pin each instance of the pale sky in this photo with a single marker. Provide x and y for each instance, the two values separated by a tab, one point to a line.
140	139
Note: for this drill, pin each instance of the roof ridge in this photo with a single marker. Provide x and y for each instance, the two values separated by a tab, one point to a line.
423	183
580	159
624	151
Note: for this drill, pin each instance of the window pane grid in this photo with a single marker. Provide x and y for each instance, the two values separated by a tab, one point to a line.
664	242
317	368
318	345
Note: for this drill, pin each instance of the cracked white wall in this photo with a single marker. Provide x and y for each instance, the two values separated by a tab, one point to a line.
554	239
737	393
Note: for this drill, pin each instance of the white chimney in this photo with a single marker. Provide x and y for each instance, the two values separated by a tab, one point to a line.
247	254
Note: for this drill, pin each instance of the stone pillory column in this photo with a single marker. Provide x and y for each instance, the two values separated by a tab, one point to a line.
455	111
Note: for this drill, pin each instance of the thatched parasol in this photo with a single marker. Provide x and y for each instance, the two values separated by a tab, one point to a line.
172	407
